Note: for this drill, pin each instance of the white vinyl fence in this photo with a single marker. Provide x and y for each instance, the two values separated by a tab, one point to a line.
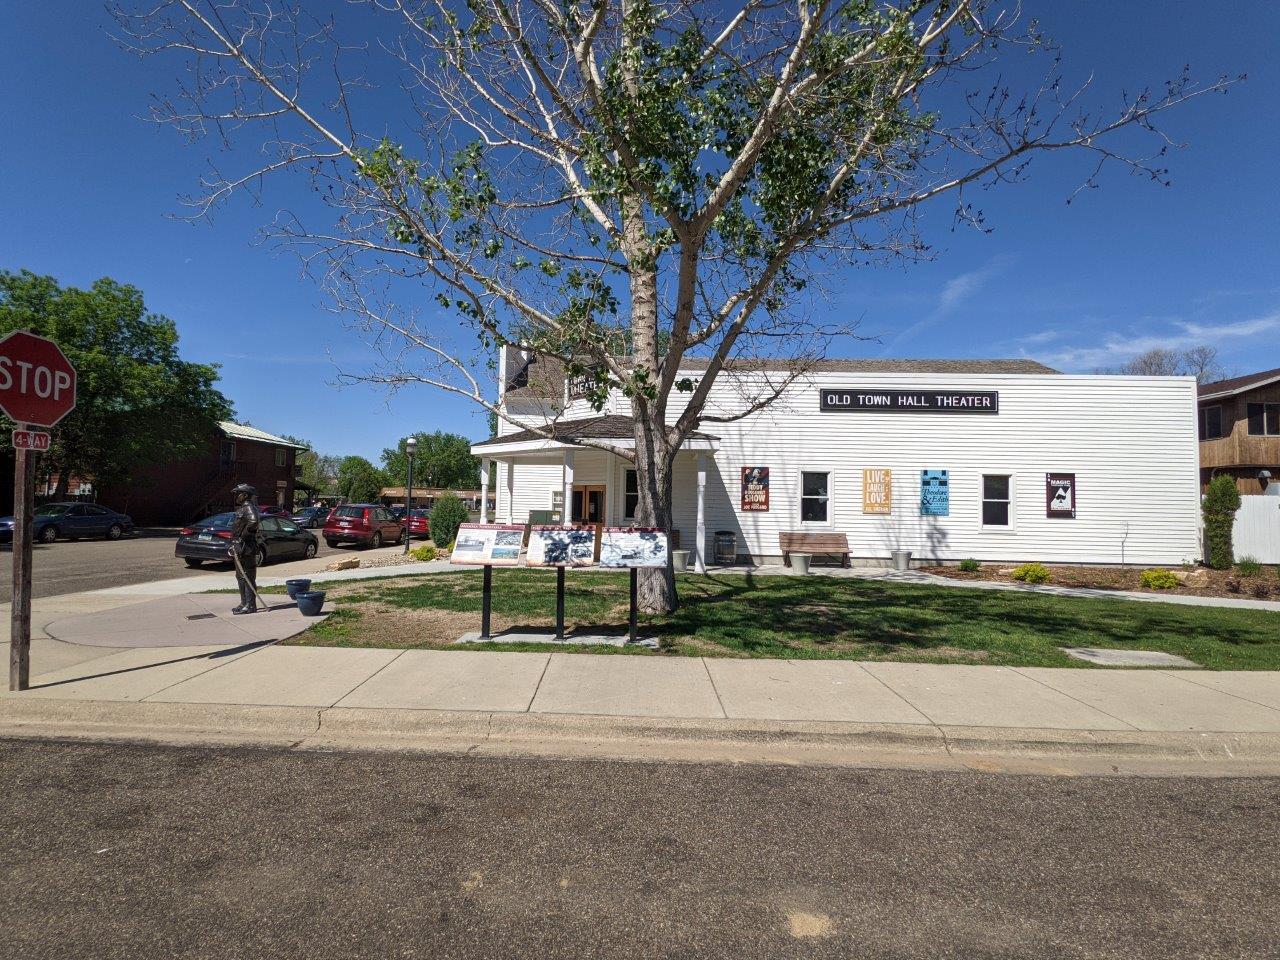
1257	530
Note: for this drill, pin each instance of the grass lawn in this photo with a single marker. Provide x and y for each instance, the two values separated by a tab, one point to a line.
812	617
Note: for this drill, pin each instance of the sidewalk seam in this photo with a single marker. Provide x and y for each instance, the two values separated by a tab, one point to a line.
528	707
1087	706
712	680
897	693
1181	675
216	666
399	654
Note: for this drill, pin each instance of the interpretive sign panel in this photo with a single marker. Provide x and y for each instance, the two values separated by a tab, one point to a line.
497	544
877	491
633	547
562	547
1060	495
860	400
935	493
755	489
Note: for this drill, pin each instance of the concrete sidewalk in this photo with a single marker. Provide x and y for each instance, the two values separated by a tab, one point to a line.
718	708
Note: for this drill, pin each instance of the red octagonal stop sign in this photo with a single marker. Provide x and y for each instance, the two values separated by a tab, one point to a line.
37	381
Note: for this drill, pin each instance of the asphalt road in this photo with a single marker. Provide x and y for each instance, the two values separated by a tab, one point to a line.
146	852
71	566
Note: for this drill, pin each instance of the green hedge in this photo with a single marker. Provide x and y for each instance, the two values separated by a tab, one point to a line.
1221	501
447	515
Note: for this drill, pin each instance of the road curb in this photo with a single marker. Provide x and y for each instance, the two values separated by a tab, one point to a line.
910	746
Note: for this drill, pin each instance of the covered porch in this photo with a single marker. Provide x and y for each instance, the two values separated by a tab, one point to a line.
541	479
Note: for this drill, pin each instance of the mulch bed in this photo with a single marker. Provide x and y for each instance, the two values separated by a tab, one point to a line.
1206	582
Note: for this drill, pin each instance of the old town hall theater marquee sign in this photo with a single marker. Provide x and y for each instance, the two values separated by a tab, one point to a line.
908	401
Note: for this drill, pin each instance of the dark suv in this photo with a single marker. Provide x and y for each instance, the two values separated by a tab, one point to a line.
367	524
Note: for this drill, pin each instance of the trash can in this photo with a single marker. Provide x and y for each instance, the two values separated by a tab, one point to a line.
901	560
726	548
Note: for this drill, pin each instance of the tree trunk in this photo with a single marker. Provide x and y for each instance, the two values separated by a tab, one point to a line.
654	461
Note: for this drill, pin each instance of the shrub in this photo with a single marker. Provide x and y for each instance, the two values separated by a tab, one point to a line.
1032	573
447	515
1221	501
424	552
970	565
1248	567
1158	579
1261	590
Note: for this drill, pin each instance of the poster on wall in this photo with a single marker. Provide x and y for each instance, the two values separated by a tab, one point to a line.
935	494
1060	495
877	491
562	547
496	544
755	489
633	547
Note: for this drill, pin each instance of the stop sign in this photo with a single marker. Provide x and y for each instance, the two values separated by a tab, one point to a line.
37	381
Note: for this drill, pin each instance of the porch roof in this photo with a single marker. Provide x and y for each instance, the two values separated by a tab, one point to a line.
617	430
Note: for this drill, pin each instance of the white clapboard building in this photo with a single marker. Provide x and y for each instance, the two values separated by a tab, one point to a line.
998	460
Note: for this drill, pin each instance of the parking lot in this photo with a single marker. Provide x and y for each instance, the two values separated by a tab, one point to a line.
72	566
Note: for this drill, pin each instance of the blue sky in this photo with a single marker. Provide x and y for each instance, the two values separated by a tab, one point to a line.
90	189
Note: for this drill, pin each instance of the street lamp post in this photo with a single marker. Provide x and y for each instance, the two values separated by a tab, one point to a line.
410	447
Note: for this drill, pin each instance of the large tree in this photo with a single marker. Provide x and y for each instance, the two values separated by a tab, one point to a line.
359	481
443	461
1200	362
666	174
138	402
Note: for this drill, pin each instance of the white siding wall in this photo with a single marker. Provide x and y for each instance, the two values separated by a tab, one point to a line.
1130	441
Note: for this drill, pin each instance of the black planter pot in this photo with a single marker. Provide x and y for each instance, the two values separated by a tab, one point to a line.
295	587
311	602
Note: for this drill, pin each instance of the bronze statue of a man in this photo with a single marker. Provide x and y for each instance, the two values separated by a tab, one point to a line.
244	547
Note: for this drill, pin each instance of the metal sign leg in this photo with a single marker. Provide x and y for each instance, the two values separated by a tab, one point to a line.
559	603
24	503
635	579
486	599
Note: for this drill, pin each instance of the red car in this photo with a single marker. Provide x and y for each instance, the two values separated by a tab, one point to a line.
271	510
366	524
420	524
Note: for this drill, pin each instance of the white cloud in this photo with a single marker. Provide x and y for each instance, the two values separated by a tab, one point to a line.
1116	348
953	293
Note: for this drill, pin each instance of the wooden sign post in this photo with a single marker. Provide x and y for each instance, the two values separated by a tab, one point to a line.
37	388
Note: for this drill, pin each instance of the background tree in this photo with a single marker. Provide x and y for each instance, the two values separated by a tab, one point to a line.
138	402
677	171
317	470
443	461
359	481
1200	362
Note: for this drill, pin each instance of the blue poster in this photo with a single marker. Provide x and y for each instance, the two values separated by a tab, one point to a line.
935	494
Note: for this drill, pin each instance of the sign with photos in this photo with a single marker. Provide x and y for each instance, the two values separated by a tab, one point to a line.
755	489
633	547
561	547
1060	495
935	493
496	544
877	491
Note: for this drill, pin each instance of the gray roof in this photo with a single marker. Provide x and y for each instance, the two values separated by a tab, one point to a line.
1222	388
589	428
239	431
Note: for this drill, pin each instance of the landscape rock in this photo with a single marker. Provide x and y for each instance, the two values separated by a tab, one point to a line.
346	563
1192	578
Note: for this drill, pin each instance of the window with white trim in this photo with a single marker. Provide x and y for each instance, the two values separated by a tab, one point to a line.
997	500
815	493
282	456
630	495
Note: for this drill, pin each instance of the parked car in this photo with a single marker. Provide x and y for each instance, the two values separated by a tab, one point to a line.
281	539
72	521
271	510
398	512
420	524
310	516
366	524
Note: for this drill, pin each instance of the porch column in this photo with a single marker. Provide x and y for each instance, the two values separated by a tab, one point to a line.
566	515
484	490
700	563
511	491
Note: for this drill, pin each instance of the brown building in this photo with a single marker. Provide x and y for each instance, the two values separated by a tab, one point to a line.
187	490
1240	429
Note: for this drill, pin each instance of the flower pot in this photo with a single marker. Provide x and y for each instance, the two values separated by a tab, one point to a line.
311	602
902	560
680	560
297	586
800	563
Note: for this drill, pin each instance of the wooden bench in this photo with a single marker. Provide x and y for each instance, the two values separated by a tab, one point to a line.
829	544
